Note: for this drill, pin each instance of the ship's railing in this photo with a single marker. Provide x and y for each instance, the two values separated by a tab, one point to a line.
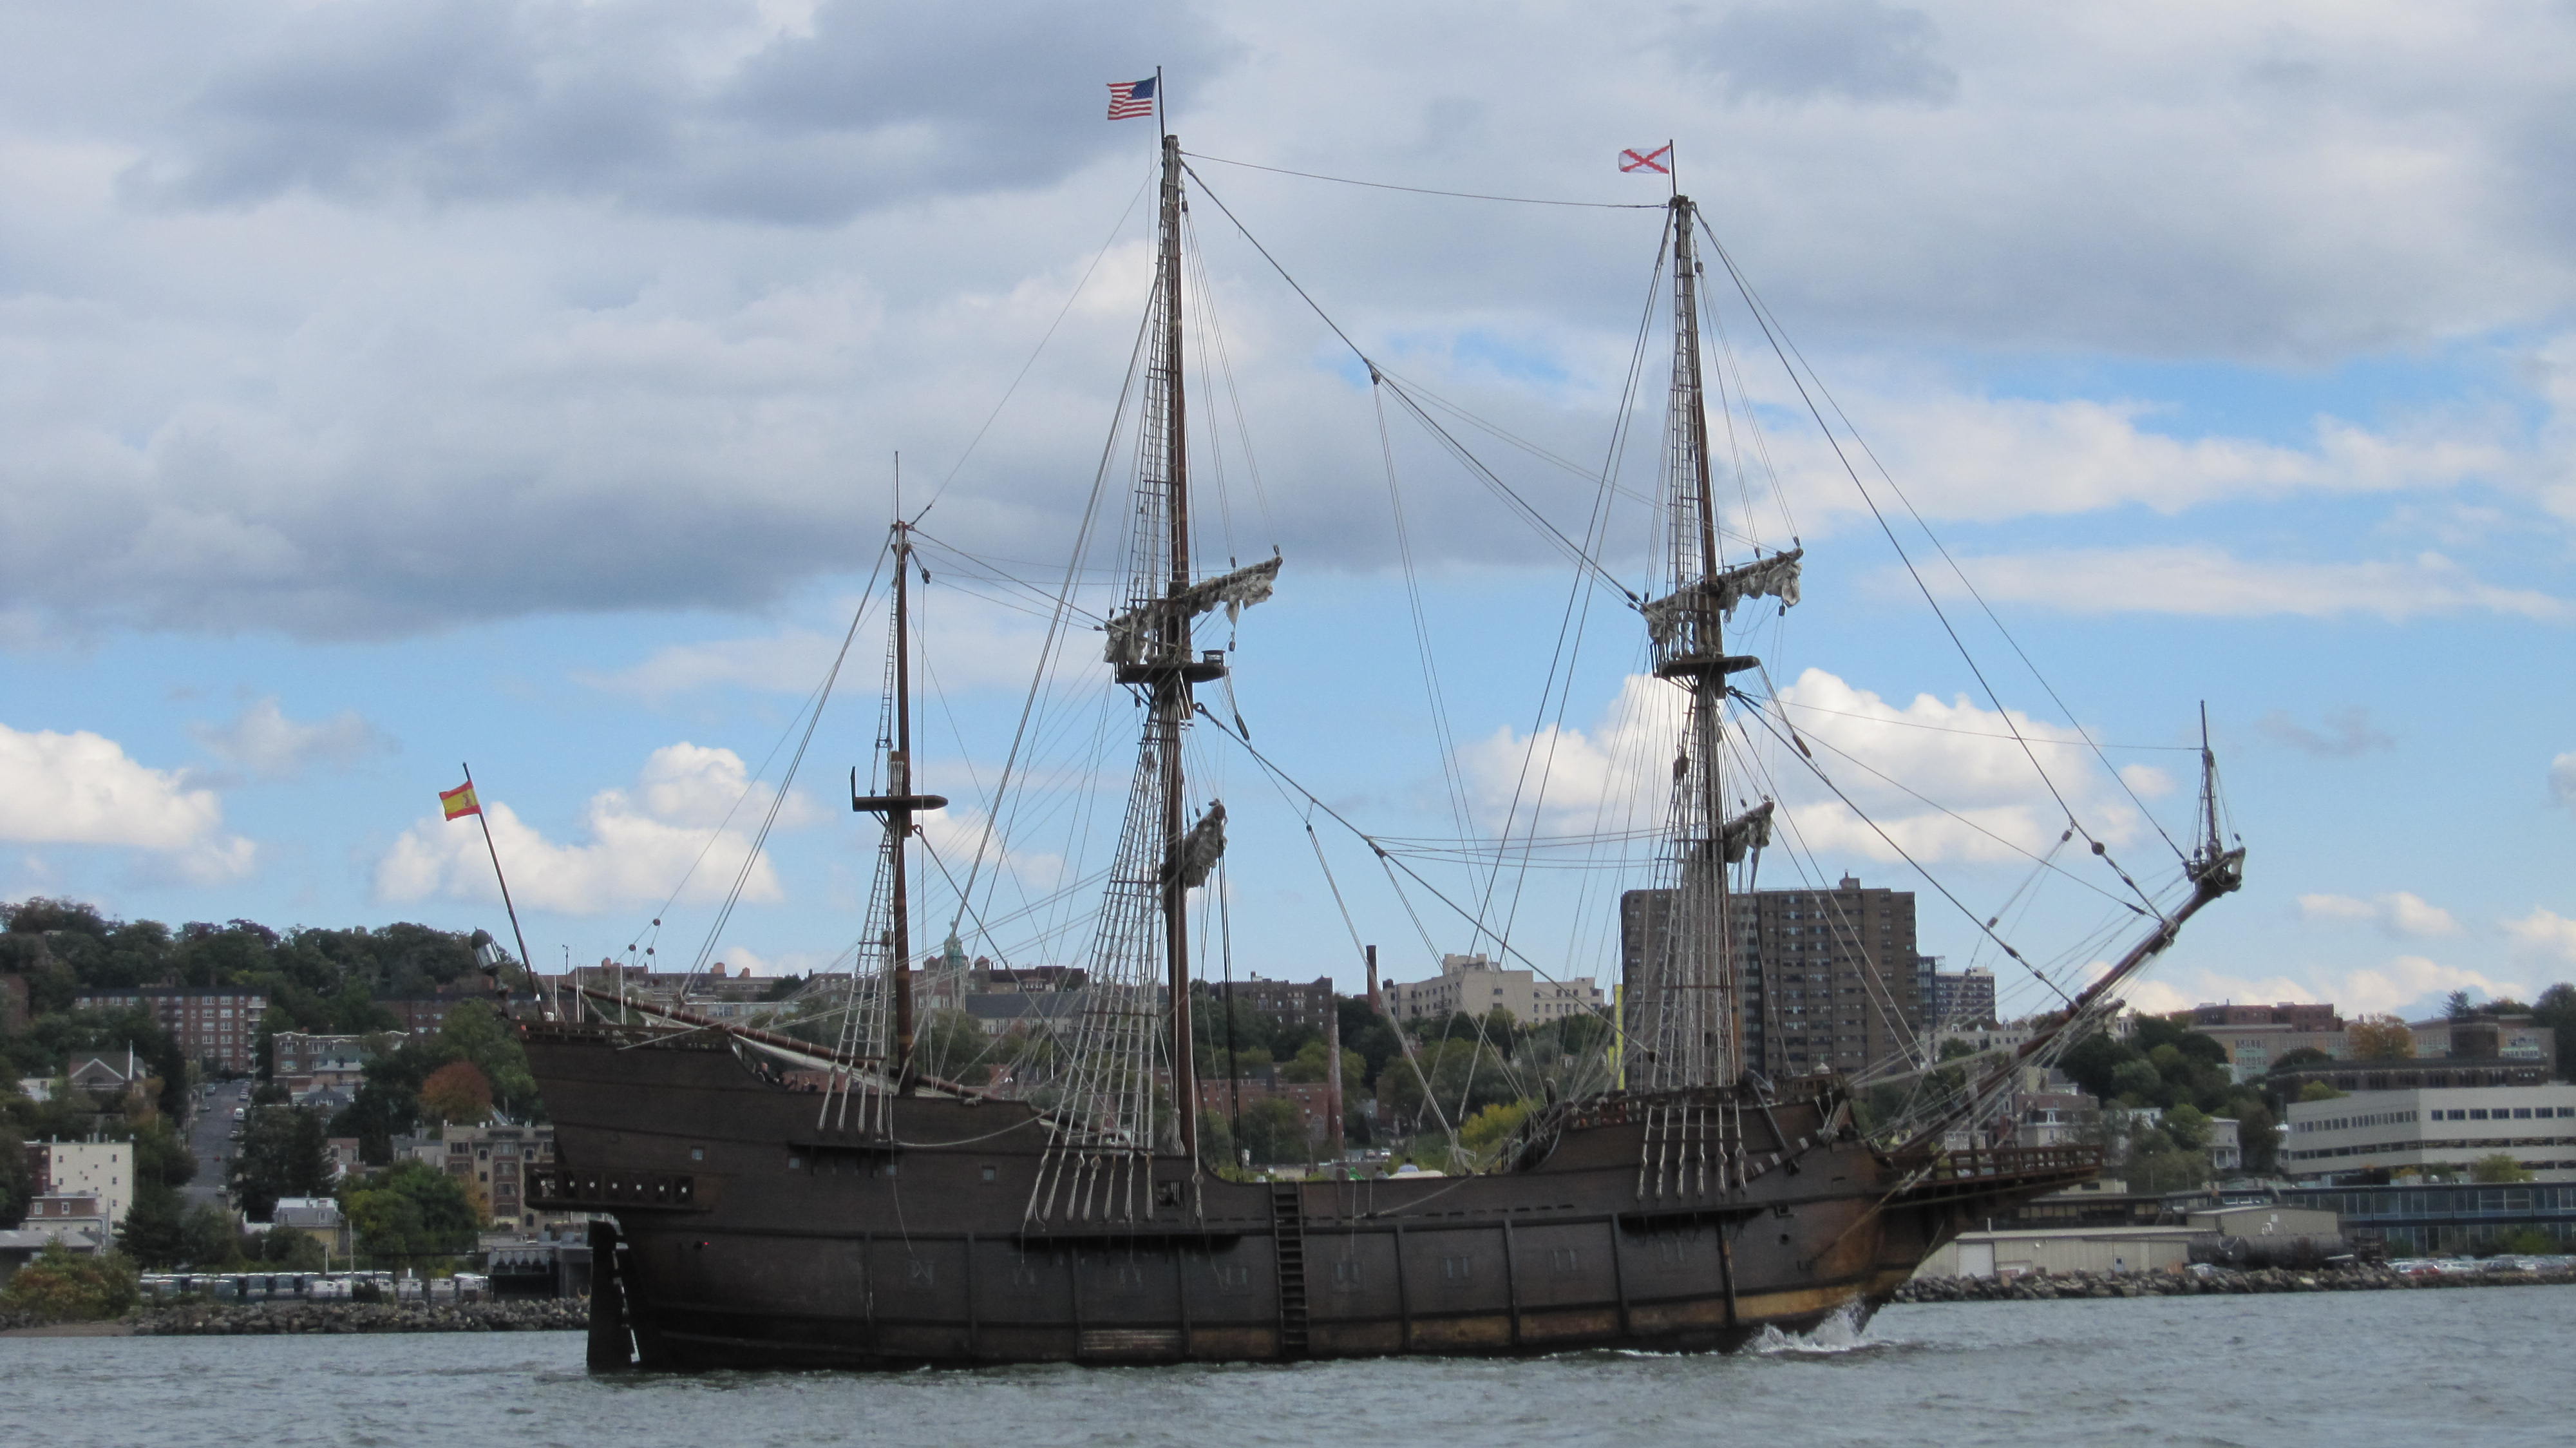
2012	1161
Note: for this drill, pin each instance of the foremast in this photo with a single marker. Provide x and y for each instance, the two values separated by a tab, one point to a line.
1133	1085
1683	1022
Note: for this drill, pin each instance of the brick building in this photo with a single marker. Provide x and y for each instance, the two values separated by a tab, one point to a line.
1305	1004
495	1162
1829	979
301	1062
216	1027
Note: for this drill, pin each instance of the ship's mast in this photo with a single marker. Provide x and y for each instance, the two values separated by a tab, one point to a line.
1682	1026
1172	687
897	807
1132	1087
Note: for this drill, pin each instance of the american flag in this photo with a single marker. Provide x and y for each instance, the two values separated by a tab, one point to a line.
1129	99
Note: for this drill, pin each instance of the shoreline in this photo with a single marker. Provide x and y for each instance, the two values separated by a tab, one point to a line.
2060	1287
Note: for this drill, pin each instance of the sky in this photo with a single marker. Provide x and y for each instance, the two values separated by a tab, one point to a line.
388	387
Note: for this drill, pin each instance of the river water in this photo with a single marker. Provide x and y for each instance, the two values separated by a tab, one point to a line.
2473	1366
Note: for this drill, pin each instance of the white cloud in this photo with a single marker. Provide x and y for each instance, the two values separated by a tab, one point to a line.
1993	805
2394	985
1989	458
2562	780
2402	914
691	262
2208	582
2543	937
264	741
83	789
639	845
959	649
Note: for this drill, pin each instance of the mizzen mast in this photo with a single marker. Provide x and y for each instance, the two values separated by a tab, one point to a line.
879	1016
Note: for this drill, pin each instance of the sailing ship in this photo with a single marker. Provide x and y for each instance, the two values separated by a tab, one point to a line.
762	1200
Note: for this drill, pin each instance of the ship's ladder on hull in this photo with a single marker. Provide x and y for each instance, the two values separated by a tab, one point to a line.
1288	1228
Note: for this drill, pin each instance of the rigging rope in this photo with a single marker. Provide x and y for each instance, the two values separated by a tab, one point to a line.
1428	191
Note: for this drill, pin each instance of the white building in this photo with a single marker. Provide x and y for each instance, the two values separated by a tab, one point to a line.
104	1169
2536	1125
1473	985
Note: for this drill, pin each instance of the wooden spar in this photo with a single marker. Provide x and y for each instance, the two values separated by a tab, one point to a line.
898	805
1172	688
899	816
776	1041
525	963
2213	876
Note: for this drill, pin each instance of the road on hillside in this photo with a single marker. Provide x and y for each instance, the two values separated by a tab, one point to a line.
210	1132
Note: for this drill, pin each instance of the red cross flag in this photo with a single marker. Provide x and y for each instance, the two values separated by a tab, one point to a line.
1659	160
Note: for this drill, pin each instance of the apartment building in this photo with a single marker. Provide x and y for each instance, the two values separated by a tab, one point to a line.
1476	986
215	1027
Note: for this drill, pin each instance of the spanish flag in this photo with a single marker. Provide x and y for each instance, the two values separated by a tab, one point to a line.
460	801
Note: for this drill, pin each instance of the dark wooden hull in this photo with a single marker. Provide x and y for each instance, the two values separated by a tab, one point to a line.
747	1236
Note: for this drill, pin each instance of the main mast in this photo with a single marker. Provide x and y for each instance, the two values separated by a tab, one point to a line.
1171	685
1683	1028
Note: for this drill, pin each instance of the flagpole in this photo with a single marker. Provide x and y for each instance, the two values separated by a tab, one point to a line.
1162	116
1673	159
485	821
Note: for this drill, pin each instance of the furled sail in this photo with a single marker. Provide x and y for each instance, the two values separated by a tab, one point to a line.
1717	594
1131	632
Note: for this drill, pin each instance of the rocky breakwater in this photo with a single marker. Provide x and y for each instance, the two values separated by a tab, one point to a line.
2063	1286
534	1315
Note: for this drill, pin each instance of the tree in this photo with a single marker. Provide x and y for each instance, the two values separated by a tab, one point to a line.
1489	1130
2380	1038
292	1250
2189	1127
154	1230
1274	1130
412	1210
457	1092
207	1237
17	1183
283	1154
2319	1091
62	1284
2556	1009
2458	1007
2498	1168
2138	1083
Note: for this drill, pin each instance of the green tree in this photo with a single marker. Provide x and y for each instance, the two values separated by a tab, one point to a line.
1274	1130
61	1284
17	1183
154	1230
2458	1007
2137	1082
207	1237
284	1153
291	1250
2188	1126
2498	1168
2556	1009
412	1210
1490	1130
2319	1091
